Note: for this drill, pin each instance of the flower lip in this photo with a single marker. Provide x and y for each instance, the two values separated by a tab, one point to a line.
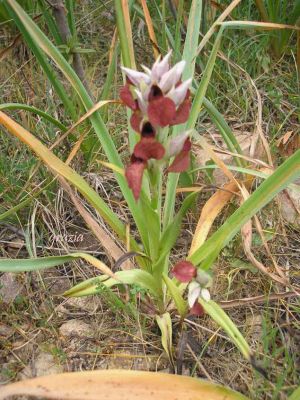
134	175
148	148
184	271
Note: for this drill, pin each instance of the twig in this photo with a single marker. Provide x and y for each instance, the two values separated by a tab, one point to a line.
59	13
199	363
256	299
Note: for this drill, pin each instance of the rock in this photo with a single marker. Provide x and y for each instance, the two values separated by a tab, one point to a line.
135	360
9	287
87	304
43	364
77	328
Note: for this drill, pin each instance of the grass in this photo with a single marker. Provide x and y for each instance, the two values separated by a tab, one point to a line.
36	315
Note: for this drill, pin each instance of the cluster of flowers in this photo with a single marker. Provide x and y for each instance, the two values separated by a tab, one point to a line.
198	281
158	98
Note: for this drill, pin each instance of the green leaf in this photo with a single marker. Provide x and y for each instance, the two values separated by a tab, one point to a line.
171	233
34	110
279	180
133	276
295	395
176	295
222	319
165	325
36	264
192	37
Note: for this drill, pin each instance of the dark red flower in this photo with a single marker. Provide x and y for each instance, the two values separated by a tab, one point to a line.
182	113
127	97
148	148
134	175
184	271
136	120
197	309
182	160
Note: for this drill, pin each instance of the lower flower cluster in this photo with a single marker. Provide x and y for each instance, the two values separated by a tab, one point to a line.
199	281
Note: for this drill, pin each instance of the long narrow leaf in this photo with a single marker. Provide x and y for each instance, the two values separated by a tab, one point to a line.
37	264
34	110
130	277
48	69
222	319
279	180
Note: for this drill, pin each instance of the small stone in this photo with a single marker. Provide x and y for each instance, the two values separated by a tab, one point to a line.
43	364
9	287
76	327
90	304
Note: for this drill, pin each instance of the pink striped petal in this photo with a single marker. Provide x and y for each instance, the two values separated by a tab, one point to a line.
178	94
171	78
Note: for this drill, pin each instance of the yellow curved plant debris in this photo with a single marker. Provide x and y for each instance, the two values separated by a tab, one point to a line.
119	384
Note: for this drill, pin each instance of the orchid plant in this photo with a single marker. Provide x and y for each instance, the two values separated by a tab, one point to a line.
162	117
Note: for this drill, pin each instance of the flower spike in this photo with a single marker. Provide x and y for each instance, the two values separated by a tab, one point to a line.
158	98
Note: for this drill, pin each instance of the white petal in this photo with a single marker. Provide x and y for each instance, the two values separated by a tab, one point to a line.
160	67
136	77
205	294
141	101
177	94
176	144
170	78
194	293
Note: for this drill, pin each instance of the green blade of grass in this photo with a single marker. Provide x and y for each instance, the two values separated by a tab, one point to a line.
176	295
34	110
49	71
131	277
37	264
224	129
222	319
124	31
